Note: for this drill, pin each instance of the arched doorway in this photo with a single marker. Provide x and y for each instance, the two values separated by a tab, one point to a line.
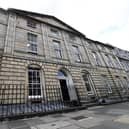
66	84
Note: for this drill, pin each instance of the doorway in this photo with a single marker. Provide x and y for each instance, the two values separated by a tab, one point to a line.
66	85
64	89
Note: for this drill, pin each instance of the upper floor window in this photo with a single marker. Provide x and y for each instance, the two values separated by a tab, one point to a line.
100	47
57	48
96	57
116	62
54	31
109	61
31	23
72	37
32	43
76	53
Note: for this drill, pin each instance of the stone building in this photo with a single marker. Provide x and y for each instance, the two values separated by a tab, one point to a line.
124	58
44	60
110	79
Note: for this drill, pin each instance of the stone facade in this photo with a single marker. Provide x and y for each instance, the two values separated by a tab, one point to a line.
96	60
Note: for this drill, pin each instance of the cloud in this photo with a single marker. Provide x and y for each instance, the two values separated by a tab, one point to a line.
119	38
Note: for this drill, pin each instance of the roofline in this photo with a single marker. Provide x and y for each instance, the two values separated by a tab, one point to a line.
23	13
44	15
4	10
98	42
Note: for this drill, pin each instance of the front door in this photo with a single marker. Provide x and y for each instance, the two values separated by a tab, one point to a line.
64	89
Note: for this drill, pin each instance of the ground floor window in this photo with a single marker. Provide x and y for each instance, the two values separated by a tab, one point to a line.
34	82
88	82
107	83
119	83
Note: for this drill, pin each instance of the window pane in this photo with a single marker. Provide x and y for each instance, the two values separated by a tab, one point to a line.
61	74
106	83
76	53
34	82
86	79
88	87
31	23
57	48
32	42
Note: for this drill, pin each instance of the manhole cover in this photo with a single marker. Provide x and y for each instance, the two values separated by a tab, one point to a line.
79	117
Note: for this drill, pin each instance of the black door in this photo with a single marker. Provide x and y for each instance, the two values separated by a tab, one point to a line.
64	90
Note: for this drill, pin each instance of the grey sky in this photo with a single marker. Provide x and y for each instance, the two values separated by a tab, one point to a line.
103	20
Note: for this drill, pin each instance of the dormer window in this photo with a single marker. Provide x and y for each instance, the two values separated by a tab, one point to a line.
31	23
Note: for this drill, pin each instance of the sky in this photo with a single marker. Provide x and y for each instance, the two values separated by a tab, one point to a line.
102	20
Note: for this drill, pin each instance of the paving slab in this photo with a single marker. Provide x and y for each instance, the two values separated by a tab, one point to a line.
18	124
34	121
3	126
71	127
54	125
48	119
87	122
123	119
111	125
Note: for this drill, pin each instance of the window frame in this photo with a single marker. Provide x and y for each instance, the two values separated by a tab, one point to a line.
77	53
57	50
89	82
96	57
72	37
31	43
34	83
31	23
109	61
119	83
107	84
54	31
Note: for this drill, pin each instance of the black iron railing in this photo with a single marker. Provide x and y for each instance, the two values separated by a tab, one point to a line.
14	101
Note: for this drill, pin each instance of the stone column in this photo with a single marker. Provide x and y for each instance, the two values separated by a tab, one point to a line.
10	34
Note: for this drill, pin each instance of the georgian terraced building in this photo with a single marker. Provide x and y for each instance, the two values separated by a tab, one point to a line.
48	66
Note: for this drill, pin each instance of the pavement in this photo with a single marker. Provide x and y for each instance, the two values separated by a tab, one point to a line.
115	116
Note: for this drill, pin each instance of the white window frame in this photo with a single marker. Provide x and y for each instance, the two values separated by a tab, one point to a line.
106	83
31	42
96	58
109	61
89	82
77	53
57	49
40	83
